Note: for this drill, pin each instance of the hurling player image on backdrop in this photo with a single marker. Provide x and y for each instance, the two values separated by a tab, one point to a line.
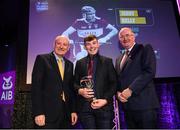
89	24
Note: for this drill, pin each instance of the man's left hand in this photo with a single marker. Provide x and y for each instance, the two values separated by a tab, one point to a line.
74	118
126	93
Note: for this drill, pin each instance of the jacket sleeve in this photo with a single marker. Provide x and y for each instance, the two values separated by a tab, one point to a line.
73	96
118	75
148	70
112	81
37	84
77	77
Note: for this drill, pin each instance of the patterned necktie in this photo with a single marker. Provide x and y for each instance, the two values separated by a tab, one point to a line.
61	69
124	59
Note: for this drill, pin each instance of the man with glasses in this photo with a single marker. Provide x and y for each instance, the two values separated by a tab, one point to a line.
136	69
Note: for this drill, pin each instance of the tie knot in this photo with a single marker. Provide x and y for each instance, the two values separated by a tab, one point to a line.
91	60
60	60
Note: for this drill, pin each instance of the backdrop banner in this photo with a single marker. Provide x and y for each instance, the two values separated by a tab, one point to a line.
7	85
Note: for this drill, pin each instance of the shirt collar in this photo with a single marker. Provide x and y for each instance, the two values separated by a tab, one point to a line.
94	56
131	47
57	57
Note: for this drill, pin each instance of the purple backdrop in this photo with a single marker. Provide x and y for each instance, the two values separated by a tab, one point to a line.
49	18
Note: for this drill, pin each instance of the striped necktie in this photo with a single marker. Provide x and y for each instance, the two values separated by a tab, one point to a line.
124	59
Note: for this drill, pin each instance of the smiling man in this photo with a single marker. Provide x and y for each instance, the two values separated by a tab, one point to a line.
53	103
136	69
95	104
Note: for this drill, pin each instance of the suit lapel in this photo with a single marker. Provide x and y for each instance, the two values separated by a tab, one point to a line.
66	68
132	54
98	69
84	66
55	66
127	63
118	63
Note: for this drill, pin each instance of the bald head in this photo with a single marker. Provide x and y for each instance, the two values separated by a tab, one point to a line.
62	37
126	37
61	45
126	29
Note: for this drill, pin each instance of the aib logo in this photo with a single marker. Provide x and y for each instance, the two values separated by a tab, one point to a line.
6	87
7	83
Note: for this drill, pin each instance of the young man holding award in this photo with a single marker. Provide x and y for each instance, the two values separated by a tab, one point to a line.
95	84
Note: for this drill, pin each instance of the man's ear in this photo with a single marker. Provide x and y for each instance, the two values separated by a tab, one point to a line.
99	44
84	47
68	47
54	44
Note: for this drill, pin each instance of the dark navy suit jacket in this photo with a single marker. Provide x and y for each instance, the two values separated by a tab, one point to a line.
47	86
137	74
105	81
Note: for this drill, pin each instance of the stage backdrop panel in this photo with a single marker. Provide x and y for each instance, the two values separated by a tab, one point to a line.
153	22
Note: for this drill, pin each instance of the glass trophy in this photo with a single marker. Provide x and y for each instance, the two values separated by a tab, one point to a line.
87	82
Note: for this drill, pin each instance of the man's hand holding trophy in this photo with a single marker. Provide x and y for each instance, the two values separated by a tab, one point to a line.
86	90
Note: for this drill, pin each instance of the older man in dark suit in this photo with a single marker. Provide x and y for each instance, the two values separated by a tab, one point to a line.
53	103
136	69
95	105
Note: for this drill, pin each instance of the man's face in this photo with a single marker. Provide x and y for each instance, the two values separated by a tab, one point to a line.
90	17
127	38
92	47
61	46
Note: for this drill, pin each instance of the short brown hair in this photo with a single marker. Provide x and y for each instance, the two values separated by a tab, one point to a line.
89	38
